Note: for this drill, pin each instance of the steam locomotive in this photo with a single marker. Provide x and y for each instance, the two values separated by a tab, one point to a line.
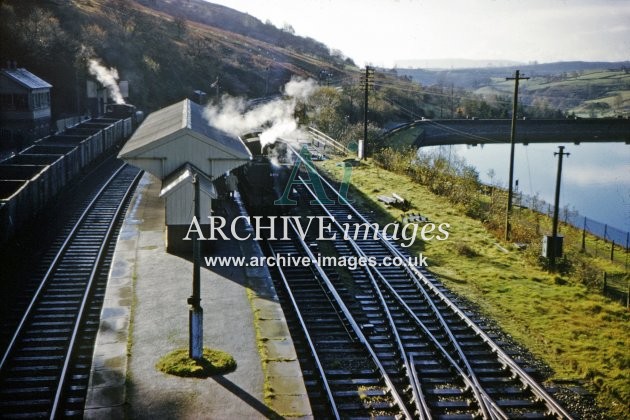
263	180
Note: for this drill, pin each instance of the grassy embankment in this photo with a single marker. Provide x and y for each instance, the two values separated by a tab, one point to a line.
580	334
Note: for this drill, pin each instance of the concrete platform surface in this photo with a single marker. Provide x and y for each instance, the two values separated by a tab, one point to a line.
145	316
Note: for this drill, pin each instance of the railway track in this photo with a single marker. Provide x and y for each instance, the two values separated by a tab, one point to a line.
390	341
44	370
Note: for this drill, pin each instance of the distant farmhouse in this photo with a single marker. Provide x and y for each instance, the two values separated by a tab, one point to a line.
24	107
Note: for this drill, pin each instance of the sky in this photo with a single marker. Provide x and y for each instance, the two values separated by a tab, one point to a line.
391	32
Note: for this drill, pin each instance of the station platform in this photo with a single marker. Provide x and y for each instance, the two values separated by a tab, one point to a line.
145	316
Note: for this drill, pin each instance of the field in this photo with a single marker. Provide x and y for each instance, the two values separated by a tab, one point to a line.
587	94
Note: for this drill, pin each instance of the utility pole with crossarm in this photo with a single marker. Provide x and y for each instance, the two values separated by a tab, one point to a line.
368	81
508	214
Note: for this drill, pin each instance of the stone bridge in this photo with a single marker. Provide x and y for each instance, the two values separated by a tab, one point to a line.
443	132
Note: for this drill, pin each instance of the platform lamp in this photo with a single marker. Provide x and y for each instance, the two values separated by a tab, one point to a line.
200	95
195	314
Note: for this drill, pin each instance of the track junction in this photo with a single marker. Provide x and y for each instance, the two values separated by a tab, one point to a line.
390	341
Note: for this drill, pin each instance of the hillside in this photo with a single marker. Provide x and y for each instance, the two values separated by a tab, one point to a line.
589	93
586	89
168	49
469	77
222	17
163	53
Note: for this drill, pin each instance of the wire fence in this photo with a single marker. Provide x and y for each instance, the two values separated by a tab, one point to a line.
601	230
597	238
609	242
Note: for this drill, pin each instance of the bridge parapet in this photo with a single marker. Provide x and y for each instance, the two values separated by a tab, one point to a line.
441	132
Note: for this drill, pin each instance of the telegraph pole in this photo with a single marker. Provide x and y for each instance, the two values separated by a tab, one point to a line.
508	214
554	231
369	75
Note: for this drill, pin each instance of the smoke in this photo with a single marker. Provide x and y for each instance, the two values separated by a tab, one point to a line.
300	88
275	119
108	78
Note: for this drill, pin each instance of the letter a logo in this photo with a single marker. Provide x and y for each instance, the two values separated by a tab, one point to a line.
313	180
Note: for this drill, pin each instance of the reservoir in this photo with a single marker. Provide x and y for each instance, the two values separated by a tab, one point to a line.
595	177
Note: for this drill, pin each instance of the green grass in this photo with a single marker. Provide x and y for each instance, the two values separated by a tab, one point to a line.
213	362
581	335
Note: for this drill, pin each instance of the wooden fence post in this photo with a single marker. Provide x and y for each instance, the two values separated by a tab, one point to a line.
584	236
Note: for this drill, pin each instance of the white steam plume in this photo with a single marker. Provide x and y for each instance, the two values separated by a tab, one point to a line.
275	119
108	78
300	88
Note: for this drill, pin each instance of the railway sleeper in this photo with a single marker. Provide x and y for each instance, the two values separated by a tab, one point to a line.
513	404
434	372
344	374
367	382
25	391
452	404
354	393
38	360
446	392
364	408
28	408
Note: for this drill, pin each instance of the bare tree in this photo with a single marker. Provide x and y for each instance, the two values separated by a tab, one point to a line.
181	25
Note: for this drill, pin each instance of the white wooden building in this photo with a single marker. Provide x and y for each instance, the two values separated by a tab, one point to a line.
179	134
172	144
179	192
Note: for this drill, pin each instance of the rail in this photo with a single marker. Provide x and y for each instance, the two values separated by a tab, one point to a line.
483	399
353	323
320	368
53	265
492	410
67	287
88	289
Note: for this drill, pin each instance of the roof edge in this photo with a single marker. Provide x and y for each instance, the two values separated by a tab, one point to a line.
186	117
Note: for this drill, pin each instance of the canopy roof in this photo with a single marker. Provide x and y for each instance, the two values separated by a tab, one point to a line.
26	78
182	177
178	134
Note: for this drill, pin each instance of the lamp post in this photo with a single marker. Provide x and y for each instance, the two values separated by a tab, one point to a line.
195	313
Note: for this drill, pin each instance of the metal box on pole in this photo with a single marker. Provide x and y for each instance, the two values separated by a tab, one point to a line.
549	249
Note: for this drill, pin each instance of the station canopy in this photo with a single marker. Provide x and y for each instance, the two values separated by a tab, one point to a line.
183	177
179	134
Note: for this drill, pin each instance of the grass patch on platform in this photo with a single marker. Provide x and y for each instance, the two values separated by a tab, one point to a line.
583	336
214	362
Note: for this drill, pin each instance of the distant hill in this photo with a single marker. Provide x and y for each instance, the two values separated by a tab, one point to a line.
475	77
453	63
583	89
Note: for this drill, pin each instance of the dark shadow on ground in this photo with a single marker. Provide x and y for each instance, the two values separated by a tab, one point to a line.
246	397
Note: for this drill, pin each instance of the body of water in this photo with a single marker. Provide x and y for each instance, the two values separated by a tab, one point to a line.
595	177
